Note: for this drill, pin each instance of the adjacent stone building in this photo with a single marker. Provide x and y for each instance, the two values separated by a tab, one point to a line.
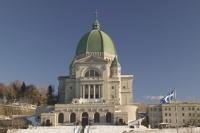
174	114
95	91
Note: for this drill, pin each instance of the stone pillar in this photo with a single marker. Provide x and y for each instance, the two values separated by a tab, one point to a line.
94	88
99	91
83	91
88	91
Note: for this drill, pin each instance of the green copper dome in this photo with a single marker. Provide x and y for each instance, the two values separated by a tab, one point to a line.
96	41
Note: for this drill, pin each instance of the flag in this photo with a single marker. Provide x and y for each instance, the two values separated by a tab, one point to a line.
167	99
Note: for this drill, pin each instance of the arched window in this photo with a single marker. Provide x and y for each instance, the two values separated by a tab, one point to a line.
61	118
48	122
84	118
92	73
96	117
72	117
121	121
108	117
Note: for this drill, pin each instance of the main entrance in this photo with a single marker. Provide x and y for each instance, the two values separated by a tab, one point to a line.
84	119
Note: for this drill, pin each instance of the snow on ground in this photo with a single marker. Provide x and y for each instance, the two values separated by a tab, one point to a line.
106	129
103	129
75	129
111	129
57	129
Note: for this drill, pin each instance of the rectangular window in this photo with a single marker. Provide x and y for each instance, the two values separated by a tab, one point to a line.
91	91
97	96
86	91
91	96
91	73
97	91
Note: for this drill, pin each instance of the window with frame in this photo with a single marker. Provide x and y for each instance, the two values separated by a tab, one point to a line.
92	73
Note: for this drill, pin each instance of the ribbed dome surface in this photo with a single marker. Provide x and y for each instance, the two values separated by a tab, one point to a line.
95	41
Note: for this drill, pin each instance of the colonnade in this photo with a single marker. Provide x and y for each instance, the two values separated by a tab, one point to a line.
91	91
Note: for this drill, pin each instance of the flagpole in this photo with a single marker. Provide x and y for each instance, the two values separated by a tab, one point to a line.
176	112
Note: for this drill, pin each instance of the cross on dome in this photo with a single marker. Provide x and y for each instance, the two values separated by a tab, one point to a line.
96	25
96	14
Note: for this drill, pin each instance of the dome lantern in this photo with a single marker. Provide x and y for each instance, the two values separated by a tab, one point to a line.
96	25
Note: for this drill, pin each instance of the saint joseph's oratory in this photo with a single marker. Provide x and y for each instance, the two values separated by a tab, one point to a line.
95	92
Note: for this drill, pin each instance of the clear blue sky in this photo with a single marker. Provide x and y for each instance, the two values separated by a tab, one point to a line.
157	40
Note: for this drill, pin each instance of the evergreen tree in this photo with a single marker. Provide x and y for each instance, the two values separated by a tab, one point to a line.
22	91
23	88
50	96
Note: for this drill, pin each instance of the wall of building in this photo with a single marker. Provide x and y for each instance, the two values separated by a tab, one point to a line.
126	90
181	114
51	117
91	109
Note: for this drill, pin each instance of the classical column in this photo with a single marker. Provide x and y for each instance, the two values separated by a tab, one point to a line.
99	91
83	91
94	86
89	91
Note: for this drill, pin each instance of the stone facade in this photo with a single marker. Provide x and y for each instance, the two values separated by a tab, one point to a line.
174	114
95	91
